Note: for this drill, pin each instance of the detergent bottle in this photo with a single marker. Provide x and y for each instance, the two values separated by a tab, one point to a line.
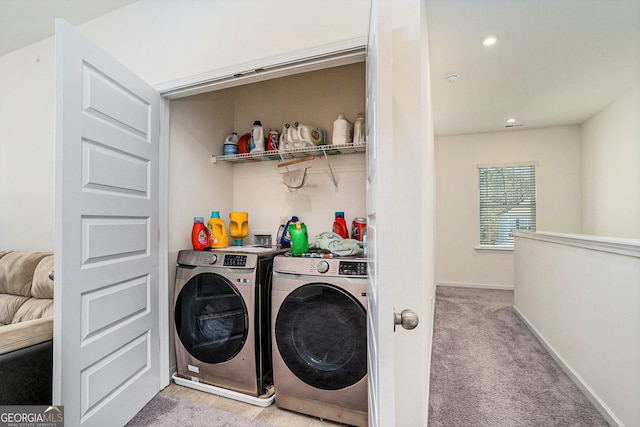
299	238
310	135
199	234
284	138
257	137
238	226
231	144
340	226
218	237
285	240
293	136
342	131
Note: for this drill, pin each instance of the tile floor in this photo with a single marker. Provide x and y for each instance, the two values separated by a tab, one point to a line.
270	415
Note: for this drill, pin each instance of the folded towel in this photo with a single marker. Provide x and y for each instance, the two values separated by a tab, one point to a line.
335	244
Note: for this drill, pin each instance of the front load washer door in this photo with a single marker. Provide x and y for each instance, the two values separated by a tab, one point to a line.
211	318
321	334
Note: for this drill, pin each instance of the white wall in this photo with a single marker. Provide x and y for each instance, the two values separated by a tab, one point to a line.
160	40
611	169
196	187
557	153
581	296
259	189
163	40
27	148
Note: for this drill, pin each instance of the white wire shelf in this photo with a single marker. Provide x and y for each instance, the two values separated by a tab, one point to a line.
316	151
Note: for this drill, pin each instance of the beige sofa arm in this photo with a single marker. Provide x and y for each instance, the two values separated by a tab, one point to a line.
25	334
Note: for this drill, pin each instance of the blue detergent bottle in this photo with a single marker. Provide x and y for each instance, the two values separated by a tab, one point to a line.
285	240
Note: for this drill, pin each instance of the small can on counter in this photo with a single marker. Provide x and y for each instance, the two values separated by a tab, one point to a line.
358	226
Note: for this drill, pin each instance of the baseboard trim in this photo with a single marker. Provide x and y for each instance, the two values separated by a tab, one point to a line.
575	377
476	285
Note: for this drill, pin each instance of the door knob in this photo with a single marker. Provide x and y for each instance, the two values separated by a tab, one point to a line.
407	318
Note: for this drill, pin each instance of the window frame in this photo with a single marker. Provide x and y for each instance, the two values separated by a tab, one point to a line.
507	248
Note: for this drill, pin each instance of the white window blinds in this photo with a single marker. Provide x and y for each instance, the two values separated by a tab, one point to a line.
507	203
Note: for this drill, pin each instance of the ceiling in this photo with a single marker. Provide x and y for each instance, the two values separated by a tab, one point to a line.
556	62
24	22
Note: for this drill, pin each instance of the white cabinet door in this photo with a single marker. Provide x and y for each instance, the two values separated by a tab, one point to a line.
106	346
400	210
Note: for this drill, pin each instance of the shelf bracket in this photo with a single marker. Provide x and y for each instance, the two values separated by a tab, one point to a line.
335	183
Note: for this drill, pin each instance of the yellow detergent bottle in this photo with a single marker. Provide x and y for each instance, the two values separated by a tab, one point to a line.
218	231
238	226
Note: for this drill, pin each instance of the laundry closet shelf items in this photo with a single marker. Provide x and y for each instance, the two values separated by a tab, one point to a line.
316	151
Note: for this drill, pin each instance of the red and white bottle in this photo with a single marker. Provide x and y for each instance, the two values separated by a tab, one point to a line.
199	234
340	226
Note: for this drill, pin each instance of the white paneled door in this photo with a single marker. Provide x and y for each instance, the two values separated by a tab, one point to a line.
379	214
106	346
400	193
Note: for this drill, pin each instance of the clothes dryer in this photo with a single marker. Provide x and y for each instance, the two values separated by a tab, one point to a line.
319	337
222	321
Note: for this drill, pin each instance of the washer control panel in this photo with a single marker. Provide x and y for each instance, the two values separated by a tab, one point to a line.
352	268
329	267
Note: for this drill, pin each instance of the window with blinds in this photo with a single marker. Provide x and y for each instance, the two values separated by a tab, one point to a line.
507	203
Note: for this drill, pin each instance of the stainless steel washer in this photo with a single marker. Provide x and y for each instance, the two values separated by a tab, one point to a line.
222	319
319	337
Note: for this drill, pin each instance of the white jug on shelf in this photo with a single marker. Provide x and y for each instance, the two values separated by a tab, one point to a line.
310	135
257	137
285	138
342	131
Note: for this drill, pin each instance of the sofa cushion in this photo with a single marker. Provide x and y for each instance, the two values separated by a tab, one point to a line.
16	272
9	306
34	308
42	284
26	291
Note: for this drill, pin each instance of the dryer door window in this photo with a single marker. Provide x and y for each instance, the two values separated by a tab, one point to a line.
211	318
321	334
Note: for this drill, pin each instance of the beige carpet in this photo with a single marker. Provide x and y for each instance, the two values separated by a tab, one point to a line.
488	369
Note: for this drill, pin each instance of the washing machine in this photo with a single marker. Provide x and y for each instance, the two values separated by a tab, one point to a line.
222	322
319	337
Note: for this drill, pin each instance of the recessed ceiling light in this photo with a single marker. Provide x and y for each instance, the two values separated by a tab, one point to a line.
511	120
490	40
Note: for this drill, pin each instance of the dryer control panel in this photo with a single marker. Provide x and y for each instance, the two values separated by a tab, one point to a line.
235	260
189	258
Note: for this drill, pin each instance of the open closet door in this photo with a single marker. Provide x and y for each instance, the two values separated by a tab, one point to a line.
379	214
400	192
106	339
